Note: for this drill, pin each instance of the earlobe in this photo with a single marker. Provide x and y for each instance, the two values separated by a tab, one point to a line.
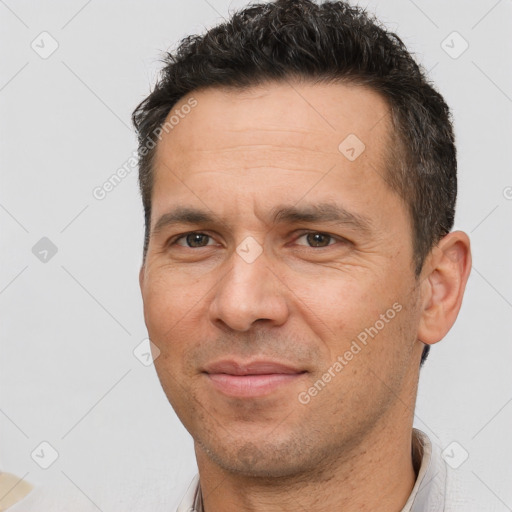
443	287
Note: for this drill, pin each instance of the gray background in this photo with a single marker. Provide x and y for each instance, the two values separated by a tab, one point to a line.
71	321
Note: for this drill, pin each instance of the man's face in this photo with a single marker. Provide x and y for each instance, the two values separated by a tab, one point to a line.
252	285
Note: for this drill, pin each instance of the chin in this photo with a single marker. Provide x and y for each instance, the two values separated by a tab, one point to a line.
258	461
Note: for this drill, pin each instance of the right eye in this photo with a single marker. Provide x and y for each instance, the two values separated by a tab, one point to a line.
194	239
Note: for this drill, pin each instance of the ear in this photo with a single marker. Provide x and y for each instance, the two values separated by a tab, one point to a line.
443	283
142	274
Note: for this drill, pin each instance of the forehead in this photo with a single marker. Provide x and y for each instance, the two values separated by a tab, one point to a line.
272	142
312	115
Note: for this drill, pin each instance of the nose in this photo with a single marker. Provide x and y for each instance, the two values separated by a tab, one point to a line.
250	291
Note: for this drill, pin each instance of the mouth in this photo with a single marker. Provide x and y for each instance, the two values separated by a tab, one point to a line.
252	379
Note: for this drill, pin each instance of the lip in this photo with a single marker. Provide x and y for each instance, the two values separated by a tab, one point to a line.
251	379
256	367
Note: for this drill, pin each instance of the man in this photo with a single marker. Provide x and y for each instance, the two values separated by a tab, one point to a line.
298	175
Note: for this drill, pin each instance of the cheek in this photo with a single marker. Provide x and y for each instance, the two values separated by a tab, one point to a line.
363	316
170	316
167	314
338	304
168	299
175	309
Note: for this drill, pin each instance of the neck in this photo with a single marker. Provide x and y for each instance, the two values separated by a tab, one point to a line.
377	475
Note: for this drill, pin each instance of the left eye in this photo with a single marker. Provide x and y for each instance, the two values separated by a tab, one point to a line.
316	239
194	240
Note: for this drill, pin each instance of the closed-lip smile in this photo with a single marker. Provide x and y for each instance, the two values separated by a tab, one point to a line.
250	379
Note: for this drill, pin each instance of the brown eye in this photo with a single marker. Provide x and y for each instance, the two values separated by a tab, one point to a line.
193	240
317	239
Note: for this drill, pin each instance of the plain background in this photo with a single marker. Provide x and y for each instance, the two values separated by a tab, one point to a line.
70	324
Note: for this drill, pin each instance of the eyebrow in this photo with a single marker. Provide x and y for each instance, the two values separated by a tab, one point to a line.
282	214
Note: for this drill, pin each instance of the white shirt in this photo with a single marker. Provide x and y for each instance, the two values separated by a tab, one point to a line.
429	494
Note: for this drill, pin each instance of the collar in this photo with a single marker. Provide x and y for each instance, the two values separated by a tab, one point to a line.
428	493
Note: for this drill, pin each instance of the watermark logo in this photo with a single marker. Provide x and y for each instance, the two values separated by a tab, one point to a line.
454	45
146	352
44	45
44	455
249	249
455	455
44	250
351	147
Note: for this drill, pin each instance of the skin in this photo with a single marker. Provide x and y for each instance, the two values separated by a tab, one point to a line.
237	155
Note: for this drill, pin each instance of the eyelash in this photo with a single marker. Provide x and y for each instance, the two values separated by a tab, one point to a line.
305	233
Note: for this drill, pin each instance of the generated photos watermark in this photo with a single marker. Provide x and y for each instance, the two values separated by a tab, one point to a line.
356	347
100	192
